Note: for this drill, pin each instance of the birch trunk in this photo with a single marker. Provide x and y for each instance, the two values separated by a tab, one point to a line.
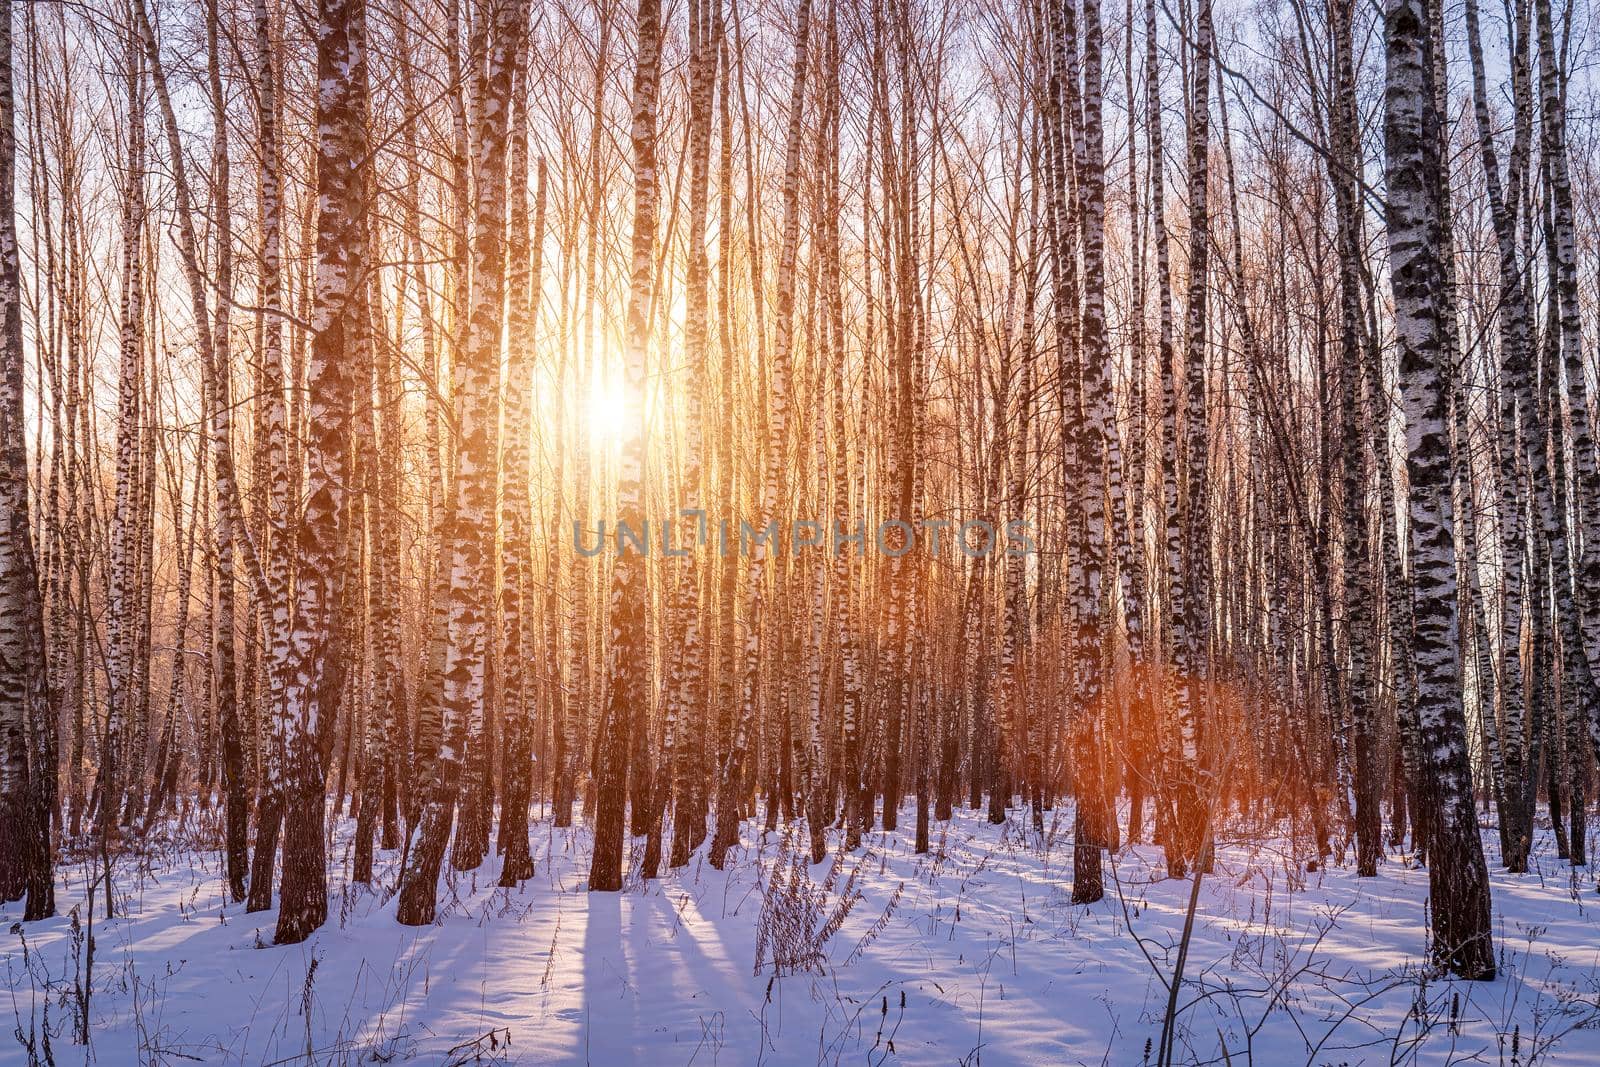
472	537
313	683
27	725
627	691
1458	880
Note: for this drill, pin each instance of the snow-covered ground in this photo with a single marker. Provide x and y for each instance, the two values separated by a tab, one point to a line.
970	955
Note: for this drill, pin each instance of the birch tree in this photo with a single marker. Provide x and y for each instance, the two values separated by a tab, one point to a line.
1457	878
314	681
27	726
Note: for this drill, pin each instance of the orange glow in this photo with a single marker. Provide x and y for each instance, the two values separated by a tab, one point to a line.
610	414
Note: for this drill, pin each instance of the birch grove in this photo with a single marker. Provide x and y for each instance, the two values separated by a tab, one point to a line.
425	426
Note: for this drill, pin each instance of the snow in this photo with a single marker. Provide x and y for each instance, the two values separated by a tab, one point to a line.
970	955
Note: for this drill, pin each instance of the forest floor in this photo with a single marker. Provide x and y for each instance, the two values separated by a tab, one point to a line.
971	954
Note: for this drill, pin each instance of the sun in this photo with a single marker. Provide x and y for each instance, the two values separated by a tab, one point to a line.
611	414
